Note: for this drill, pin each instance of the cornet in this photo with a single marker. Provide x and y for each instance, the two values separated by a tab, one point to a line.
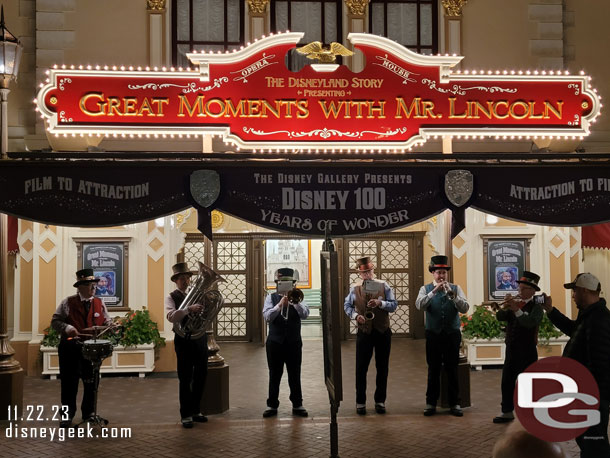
448	291
504	303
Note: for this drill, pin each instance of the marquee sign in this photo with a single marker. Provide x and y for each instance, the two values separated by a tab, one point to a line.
253	101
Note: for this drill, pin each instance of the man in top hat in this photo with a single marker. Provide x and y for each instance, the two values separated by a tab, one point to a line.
443	302
523	315
371	310
284	312
191	354
589	344
73	315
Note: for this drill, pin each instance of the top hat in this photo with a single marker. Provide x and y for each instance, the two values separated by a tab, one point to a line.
530	279
85	276
364	264
586	280
181	268
439	262
285	273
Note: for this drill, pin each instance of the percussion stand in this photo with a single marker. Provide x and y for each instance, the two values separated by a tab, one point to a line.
96	362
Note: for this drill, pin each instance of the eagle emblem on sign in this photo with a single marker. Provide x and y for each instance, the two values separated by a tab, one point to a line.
325	55
459	186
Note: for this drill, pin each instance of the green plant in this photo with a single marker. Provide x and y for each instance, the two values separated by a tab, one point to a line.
482	324
138	328
51	338
546	331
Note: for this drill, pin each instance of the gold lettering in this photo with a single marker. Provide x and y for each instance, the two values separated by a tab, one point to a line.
197	106
558	112
452	114
130	106
101	104
113	105
221	105
519	103
159	101
401	107
495	109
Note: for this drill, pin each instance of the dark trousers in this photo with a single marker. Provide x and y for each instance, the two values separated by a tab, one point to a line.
443	350
290	354
593	442
72	368
515	362
192	356
365	344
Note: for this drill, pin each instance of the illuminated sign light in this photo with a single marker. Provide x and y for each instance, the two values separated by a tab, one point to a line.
252	101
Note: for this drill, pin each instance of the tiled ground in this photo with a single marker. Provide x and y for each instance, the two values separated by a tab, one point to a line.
149	407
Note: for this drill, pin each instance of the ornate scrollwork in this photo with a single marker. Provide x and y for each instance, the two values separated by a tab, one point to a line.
453	8
356	7
258	6
155	5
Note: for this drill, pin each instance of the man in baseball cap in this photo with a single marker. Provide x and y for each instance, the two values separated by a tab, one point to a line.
589	344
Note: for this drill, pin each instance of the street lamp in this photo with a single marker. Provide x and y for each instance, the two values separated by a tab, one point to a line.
10	55
11	373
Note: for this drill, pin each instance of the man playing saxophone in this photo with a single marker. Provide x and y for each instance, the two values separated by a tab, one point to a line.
284	310
370	303
442	301
191	353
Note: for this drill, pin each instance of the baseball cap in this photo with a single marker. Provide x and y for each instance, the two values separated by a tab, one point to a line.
586	280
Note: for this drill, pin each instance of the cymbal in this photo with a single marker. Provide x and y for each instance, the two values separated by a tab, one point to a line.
96	328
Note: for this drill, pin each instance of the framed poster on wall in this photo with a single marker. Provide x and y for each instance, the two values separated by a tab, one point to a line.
295	254
108	259
505	259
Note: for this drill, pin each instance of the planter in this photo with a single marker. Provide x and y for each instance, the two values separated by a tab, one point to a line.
483	352
140	359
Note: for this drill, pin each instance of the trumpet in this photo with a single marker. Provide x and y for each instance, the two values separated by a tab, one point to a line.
295	296
504	303
448	291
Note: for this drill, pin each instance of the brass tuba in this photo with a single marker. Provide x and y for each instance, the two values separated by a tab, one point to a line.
200	291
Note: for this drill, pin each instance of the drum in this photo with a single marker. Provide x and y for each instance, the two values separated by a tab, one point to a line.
97	350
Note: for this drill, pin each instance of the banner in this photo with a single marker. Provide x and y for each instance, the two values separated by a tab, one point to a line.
254	101
306	199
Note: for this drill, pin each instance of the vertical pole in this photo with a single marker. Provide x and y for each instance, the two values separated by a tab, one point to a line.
4	128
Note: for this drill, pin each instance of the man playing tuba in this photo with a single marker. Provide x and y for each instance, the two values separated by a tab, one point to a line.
191	353
284	310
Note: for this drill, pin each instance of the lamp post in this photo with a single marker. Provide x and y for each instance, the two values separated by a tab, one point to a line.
11	373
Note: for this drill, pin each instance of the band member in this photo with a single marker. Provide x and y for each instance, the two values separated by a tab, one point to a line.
73	315
284	310
589	344
371	310
191	354
523	314
442	301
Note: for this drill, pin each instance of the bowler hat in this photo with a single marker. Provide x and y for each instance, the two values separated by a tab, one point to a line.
439	262
85	276
364	264
530	279
181	268
285	273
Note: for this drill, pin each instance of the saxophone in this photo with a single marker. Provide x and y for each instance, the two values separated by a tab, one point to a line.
200	291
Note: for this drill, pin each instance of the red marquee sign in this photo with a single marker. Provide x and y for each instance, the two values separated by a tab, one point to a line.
253	101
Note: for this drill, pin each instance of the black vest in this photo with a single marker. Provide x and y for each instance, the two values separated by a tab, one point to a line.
282	330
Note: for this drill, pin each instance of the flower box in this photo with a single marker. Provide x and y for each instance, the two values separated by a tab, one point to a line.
140	359
483	352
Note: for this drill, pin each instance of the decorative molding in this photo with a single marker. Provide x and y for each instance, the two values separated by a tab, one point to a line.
47	235
151	252
575	248
258	6
356	7
24	237
217	219
463	249
559	249
155	5
436	235
453	8
182	217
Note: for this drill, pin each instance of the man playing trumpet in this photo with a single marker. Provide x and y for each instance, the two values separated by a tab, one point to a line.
370	303
442	301
523	314
284	310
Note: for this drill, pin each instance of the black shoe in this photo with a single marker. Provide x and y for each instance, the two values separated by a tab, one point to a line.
199	418
429	411
270	413
299	411
65	423
500	419
187	422
380	408
361	410
456	411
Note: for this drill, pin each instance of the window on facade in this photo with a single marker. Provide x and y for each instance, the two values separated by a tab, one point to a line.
205	25
413	23
319	20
